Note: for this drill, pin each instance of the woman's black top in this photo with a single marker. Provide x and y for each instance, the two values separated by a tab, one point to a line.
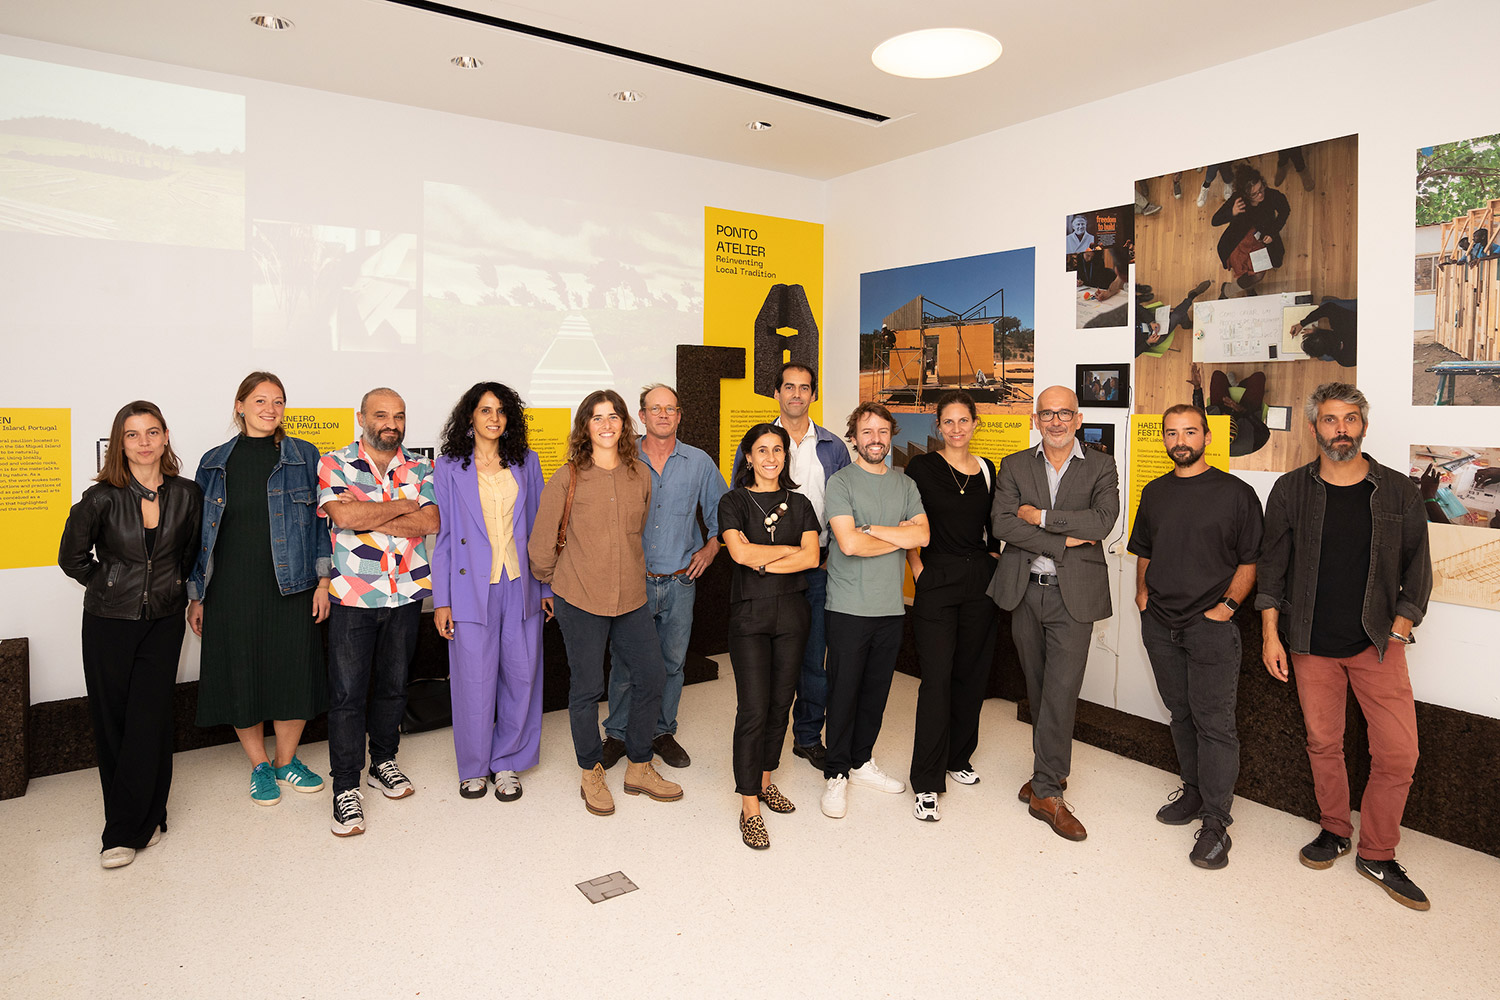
1268	218
957	506
741	510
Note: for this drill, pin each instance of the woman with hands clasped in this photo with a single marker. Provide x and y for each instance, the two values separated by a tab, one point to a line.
771	533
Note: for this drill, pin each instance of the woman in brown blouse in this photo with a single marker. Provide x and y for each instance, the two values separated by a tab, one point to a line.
587	546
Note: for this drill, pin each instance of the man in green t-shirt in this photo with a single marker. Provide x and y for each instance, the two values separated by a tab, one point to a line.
874	514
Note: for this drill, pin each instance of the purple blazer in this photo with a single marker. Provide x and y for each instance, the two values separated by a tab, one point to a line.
461	559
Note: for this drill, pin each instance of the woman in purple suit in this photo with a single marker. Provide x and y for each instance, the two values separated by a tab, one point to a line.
487	603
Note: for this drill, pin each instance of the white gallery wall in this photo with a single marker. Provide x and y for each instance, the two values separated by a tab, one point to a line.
162	309
1015	188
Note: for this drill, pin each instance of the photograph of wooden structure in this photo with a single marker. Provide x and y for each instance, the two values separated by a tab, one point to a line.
926	348
1467	285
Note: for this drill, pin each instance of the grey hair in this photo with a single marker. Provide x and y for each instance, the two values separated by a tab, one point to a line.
1340	392
647	390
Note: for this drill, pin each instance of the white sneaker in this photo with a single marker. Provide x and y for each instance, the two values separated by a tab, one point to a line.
1202	196
926	807
872	776
1228	190
836	798
964	777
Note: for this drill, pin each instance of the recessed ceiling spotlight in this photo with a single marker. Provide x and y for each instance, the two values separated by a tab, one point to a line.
270	22
935	53
467	62
759	126
629	96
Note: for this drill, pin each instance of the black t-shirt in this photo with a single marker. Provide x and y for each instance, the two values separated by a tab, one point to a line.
958	522
1196	530
1338	627
741	510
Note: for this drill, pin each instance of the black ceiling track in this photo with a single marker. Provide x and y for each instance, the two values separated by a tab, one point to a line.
647	59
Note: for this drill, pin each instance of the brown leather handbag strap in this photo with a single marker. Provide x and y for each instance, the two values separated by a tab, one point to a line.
562	526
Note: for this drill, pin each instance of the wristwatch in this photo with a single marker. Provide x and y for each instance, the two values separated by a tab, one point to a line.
1230	603
865	528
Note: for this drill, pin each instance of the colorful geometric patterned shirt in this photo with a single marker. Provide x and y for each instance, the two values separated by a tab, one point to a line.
370	568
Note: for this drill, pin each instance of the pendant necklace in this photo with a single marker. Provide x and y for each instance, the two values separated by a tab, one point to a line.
967	476
771	516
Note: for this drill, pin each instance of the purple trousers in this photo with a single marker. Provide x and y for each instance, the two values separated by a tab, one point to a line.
496	679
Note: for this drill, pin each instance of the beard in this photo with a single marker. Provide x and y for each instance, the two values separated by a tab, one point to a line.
1341	447
1184	456
387	440
873	454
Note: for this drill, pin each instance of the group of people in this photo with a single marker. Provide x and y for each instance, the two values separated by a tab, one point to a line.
272	539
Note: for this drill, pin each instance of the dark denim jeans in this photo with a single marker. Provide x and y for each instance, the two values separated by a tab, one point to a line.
632	641
812	686
670	600
1197	671
369	654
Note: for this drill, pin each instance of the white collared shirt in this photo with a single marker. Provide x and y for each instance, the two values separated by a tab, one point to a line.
807	472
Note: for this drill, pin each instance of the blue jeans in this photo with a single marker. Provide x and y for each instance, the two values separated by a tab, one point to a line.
812	685
369	653
633	643
669	599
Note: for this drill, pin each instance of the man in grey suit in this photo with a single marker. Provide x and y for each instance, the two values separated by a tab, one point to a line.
1054	506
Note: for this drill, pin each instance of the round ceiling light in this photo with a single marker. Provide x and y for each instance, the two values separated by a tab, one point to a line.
935	53
629	96
270	22
467	62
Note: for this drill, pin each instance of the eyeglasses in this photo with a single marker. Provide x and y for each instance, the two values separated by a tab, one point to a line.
663	411
1047	416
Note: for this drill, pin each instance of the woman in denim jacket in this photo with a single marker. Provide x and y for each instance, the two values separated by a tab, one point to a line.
260	587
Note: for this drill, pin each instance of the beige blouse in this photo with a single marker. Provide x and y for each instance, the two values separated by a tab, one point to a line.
602	569
497	497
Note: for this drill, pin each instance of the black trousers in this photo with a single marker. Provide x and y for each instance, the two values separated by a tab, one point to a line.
767	637
954	622
861	659
130	670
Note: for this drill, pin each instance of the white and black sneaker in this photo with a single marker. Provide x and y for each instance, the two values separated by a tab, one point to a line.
348	813
926	807
1394	880
967	776
387	777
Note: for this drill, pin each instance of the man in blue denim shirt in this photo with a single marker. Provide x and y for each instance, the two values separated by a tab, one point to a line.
684	480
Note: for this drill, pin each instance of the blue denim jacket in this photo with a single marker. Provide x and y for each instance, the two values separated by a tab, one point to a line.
300	545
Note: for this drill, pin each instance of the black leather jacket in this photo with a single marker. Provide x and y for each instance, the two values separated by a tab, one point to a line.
104	548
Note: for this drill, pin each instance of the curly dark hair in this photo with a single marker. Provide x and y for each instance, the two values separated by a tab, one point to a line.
744	475
458	432
875	409
581	446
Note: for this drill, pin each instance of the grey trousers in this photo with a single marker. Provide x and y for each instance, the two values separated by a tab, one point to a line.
1054	651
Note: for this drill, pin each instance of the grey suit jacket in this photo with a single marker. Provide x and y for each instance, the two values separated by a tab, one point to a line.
1088	503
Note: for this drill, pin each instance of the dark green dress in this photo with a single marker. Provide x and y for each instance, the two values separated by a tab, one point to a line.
262	652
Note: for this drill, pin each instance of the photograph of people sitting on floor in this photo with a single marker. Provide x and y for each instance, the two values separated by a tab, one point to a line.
1456	350
1249	269
1101	248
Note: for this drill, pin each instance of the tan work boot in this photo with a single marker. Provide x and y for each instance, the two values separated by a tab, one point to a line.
643	778
595	793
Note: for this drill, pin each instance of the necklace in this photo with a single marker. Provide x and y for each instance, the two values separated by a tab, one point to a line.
967	476
772	516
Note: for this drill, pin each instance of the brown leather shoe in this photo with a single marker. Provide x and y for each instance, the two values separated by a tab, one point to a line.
595	793
670	751
1025	793
643	779
1055	813
613	750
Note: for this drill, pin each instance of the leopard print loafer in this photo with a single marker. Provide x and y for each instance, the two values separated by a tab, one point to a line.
753	832
775	801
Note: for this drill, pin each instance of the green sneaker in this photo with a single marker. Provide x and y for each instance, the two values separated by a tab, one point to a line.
263	790
299	776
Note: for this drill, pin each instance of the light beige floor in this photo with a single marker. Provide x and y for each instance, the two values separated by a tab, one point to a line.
446	897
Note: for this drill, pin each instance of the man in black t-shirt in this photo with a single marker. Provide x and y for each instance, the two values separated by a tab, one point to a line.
1348	598
1196	537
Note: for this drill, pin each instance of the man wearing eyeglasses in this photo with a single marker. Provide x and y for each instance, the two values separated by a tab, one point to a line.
1054	506
684	480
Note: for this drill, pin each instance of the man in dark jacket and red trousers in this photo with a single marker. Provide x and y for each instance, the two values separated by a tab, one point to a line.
1348	599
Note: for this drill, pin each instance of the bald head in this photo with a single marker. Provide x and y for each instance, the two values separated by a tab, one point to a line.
1057	417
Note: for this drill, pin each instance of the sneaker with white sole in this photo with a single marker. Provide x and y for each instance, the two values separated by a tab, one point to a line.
836	797
387	777
348	813
870	775
965	777
263	790
299	776
1203	195
926	807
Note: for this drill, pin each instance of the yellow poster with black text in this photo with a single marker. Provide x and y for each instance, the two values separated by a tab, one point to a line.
763	292
37	488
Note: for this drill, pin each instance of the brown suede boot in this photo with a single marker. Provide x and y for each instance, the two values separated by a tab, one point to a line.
643	778
595	793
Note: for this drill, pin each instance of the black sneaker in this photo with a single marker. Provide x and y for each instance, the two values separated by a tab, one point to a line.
1393	879
1325	849
348	813
387	777
813	753
614	749
1183	806
1211	846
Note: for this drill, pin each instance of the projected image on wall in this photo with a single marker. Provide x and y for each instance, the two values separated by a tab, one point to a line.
557	298
104	156
349	289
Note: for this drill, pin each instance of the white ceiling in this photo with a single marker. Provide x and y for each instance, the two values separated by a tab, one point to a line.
1057	55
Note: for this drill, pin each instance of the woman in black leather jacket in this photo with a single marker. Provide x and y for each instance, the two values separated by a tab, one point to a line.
131	541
